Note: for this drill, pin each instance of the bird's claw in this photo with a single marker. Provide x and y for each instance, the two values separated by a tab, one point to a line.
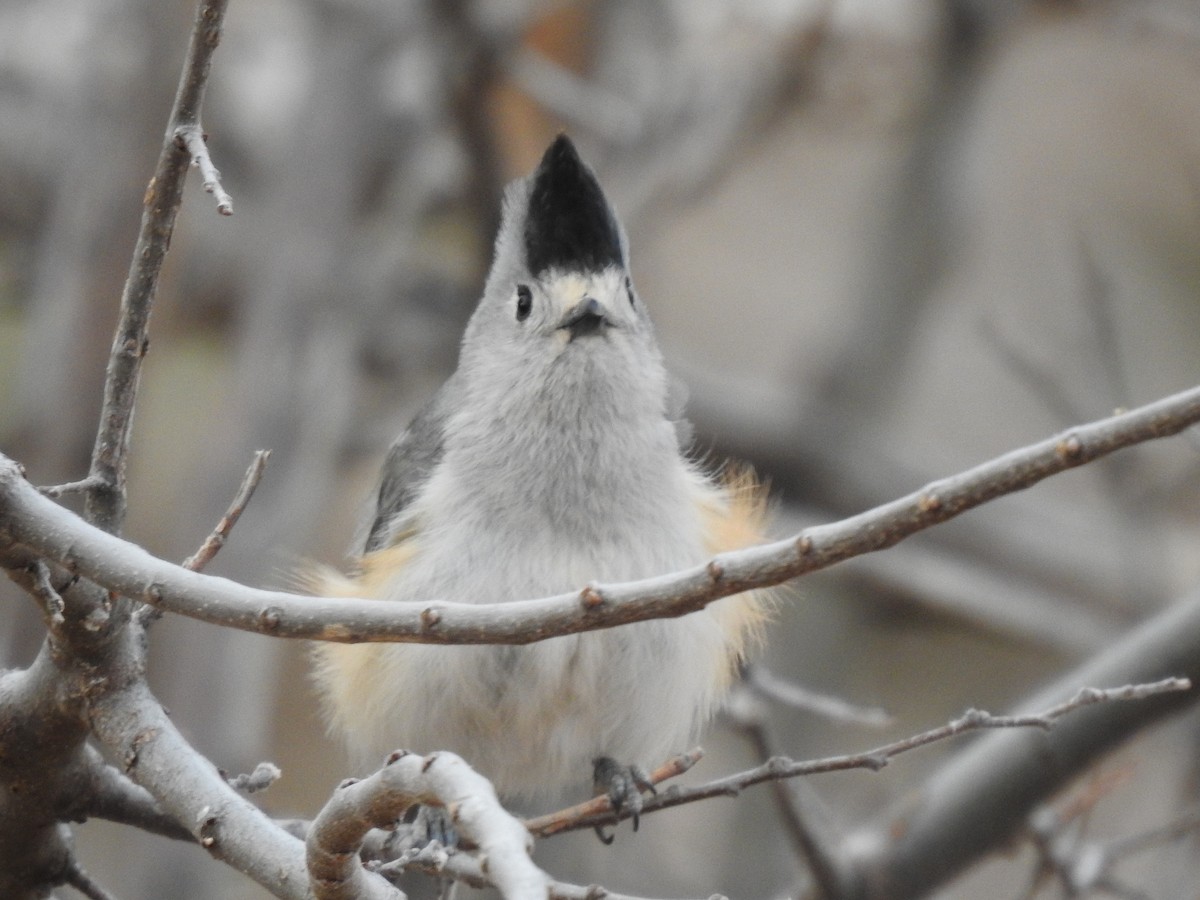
624	786
427	824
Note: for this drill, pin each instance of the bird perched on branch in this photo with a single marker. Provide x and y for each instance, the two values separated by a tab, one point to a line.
551	458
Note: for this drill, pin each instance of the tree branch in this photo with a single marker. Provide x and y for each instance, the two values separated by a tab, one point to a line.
216	540
1086	867
105	505
117	799
874	760
568	819
768	685
195	141
212	545
78	878
52	532
441	779
467	869
986	793
47	773
806	823
72	487
1187	822
131	723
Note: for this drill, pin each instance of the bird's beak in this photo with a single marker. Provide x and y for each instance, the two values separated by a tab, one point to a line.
584	318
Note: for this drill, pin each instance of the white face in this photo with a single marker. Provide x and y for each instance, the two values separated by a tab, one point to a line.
572	306
565	338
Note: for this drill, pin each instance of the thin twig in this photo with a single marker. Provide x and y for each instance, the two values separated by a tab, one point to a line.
216	540
105	506
566	819
78	878
1085	867
561	890
1081	805
813	836
195	141
1100	310
1183	825
464	868
971	720
574	99
72	487
264	775
54	533
1089	695
768	685
1044	382
212	545
49	599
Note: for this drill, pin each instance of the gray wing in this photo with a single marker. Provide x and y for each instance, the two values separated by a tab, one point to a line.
408	465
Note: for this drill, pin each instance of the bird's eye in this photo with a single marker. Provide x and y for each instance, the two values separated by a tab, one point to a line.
524	302
629	291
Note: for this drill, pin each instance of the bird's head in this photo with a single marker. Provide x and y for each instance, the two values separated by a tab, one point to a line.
559	304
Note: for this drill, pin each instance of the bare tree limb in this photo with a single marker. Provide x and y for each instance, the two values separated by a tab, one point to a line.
840	875
52	532
130	722
44	710
441	779
468	868
42	772
914	847
105	506
117	799
873	760
560	890
574	99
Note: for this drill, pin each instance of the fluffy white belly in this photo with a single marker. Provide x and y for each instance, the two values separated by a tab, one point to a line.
533	718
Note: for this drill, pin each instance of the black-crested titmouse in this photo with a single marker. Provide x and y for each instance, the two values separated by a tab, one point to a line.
548	460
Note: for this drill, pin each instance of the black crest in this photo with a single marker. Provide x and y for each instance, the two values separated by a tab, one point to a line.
569	224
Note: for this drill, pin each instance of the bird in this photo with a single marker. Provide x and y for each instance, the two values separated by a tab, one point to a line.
553	457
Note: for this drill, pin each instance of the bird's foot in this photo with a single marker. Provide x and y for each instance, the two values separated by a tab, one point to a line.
427	824
624	786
